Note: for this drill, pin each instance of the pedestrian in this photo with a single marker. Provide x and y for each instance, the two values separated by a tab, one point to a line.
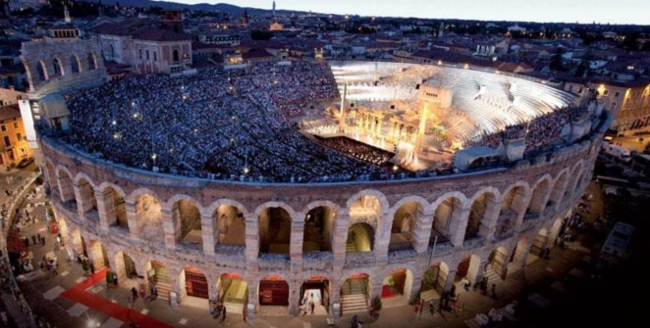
43	241
354	322
33	240
223	312
38	236
432	307
92	267
134	293
26	241
115	280
312	304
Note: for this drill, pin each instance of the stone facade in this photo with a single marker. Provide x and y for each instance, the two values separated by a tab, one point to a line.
475	215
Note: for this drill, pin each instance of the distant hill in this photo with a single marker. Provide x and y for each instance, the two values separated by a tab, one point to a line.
221	7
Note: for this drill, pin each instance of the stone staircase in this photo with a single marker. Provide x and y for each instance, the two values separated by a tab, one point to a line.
350	247
162	283
353	298
492	276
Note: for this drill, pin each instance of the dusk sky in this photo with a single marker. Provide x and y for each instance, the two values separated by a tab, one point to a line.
583	11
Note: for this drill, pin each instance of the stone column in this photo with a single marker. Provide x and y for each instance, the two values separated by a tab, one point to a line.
421	231
208	234
116	262
294	297
415	288
451	276
169	228
490	219
458	225
252	305
520	205
382	237
105	209
66	190
177	285
132	219
296	242
340	236
83	195
252	242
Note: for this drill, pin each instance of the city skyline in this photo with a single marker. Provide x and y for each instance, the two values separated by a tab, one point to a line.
570	11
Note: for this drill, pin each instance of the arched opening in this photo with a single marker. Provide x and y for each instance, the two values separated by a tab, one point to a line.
126	268
231	226
403	223
513	205
361	238
77	242
158	276
115	209
537	201
540	246
555	231
87	200
572	183
558	189
98	254
196	285
149	219
41	71
92	63
477	215
519	255
317	235
467	271
578	183
497	266
315	290
233	292
57	68
74	64
273	291
187	217
175	55
397	286
434	281
448	211
66	190
275	231
355	293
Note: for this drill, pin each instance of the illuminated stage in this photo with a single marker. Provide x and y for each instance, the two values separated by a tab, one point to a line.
428	111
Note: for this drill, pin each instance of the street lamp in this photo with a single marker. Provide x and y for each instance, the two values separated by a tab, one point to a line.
153	158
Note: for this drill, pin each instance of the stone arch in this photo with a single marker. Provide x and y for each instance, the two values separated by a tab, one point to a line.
230	218
125	266
57	67
447	214
480	212
85	195
497	264
367	206
354	286
318	232
559	185
468	269
406	214
41	71
66	189
572	181
579	181
135	194
193	282
75	64
519	254
175	56
540	244
148	216
112	196
398	283
539	198
554	232
92	61
514	202
274	290
162	278
274	227
51	174
212	209
186	218
435	278
233	291
361	238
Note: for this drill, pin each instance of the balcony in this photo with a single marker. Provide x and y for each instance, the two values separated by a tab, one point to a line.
318	260
274	262
401	256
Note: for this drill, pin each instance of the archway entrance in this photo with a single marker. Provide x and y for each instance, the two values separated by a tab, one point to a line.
396	288
538	249
496	268
159	276
188	217
275	231
519	255
403	223
273	291
233	292
126	268
98	254
355	293
318	230
467	270
196	285
315	289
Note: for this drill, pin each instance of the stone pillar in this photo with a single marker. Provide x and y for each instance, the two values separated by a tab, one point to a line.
458	225
169	228
177	286
132	219
294	297
382	237
116	262
340	236
105	209
451	277
66	190
296	242
421	231
252	241
375	290
84	196
520	205
252	305
490	218
415	289
208	234
213	293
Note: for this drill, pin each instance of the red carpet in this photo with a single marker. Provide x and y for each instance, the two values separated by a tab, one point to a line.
78	294
386	291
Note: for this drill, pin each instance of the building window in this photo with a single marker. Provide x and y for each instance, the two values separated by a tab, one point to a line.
15	125
617	94
140	53
155	56
147	54
19	137
7	142
605	93
3	128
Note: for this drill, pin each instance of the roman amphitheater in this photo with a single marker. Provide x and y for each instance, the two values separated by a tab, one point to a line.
452	174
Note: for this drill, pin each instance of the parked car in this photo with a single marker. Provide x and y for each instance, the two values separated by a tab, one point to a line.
25	162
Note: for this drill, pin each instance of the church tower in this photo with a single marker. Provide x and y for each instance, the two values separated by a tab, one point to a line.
66	14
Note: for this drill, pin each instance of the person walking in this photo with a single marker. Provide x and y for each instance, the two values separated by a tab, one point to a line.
33	240
432	307
223	312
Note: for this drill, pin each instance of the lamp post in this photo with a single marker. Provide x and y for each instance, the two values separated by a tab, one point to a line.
153	158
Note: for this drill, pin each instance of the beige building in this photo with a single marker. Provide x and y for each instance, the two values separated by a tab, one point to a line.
13	146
